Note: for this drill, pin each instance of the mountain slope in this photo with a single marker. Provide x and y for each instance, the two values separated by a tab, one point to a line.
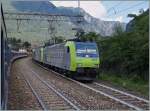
104	28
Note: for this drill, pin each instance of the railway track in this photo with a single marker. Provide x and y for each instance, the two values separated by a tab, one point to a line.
48	97
129	100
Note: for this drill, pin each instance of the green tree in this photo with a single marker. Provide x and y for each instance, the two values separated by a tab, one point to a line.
14	43
132	15
91	36
26	44
118	30
127	53
58	39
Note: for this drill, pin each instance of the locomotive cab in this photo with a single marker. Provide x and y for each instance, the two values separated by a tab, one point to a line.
87	60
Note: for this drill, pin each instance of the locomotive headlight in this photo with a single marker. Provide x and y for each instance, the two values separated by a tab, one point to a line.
97	65
79	65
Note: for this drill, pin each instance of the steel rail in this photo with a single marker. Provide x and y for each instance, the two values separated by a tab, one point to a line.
97	91
113	89
58	93
35	93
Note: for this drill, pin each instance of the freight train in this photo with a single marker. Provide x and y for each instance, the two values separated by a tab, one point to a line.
79	60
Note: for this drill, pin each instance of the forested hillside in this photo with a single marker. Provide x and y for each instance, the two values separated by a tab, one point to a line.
127	53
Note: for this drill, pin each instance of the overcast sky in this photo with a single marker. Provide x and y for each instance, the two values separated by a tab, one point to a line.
108	10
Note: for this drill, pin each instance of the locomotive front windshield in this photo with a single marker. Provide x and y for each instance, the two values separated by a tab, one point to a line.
86	50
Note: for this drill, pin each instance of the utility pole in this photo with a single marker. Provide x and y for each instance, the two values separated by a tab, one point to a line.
79	30
78	4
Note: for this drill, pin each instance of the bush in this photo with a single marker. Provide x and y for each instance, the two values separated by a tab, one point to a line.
128	52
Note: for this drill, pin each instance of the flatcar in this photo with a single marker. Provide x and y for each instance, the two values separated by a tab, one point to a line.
79	60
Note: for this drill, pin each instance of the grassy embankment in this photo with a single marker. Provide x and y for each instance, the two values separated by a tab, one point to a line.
131	83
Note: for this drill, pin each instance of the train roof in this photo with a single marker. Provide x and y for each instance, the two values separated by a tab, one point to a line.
58	44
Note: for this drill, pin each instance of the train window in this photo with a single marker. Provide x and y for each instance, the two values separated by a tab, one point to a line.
68	50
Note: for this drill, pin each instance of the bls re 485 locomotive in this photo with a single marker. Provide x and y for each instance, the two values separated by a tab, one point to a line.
79	60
